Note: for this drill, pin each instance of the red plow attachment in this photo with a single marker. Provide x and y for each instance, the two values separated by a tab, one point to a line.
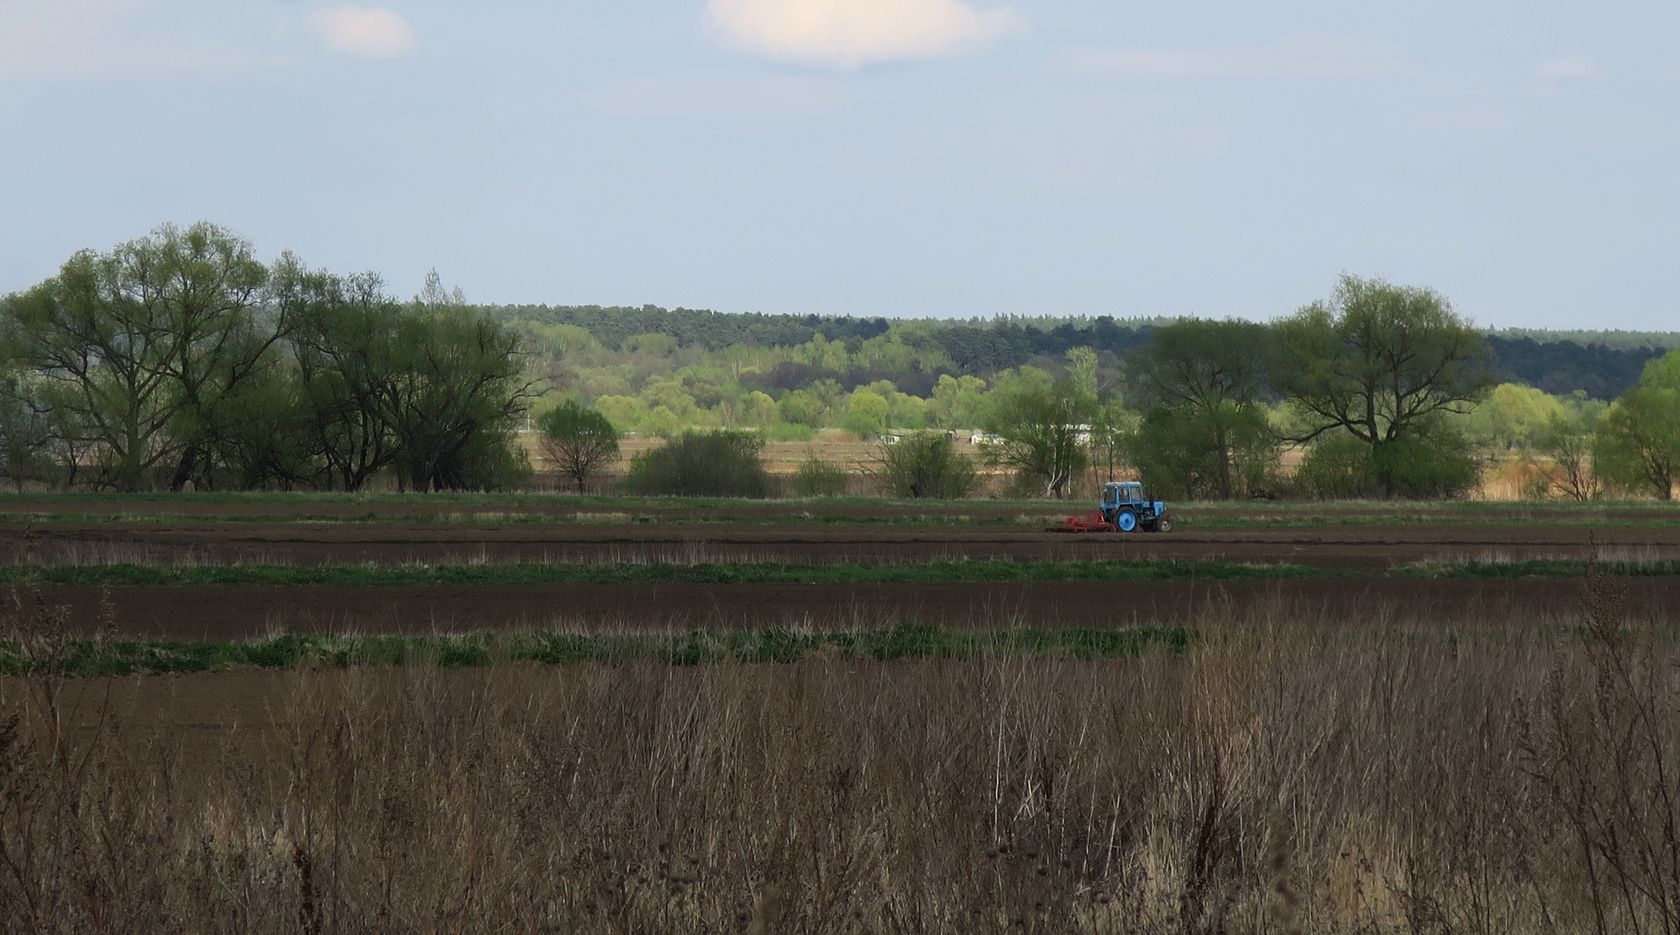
1092	523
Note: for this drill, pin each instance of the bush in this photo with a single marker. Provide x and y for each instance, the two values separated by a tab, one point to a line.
494	461
1337	468
789	432
924	465
1425	468
819	478
1343	467
707	464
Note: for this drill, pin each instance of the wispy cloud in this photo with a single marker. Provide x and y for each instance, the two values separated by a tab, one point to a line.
366	31
706	96
92	39
1295	56
1571	67
852	33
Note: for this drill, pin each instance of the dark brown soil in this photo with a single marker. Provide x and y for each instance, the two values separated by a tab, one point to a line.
1362	548
1360	554
222	612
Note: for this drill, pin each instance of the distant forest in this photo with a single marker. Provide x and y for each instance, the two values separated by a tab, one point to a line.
1598	364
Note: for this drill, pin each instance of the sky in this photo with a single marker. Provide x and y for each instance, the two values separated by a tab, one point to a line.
948	158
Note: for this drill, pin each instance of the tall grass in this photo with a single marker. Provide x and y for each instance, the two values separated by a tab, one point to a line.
1291	771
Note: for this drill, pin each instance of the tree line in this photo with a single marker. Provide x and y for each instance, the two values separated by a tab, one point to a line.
179	359
1602	364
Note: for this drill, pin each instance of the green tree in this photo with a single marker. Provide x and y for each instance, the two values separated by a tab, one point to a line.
1205	431
866	414
803	407
453	390
958	402
710	464
343	356
1638	443
579	442
1382	363
26	435
924	465
1565	460
137	348
432	388
1044	424
1514	416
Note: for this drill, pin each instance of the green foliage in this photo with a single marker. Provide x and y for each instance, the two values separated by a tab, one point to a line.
26	435
1384	364
1045	426
1186	453
926	465
434	388
958	402
804	407
1565	461
866	414
715	464
1429	467
1513	416
1638	441
137	348
1205	434
1336	467
579	442
818	478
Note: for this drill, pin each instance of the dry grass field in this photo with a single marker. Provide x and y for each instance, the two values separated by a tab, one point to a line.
1436	719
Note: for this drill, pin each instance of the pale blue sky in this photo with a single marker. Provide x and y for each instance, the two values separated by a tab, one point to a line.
873	157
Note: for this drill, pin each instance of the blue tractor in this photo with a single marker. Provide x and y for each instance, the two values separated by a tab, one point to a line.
1127	508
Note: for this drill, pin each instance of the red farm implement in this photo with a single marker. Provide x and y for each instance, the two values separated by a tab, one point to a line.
1092	523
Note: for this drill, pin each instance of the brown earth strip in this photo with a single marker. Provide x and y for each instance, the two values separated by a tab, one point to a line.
230	612
1369	549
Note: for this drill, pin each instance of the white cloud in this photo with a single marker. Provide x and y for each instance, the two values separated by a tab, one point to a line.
851	33
1573	66
1296	56
367	31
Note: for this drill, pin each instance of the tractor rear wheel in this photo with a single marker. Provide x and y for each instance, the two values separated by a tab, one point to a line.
1125	521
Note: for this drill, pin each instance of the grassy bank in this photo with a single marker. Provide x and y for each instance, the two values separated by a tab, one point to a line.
87	657
1540	568
513	575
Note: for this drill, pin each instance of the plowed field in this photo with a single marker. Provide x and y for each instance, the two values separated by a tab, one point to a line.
1358	547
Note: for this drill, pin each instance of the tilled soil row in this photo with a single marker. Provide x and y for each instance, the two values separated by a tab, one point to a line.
1361	549
232	612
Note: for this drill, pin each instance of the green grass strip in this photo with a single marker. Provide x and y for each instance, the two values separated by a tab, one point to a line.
512	575
85	657
1540	568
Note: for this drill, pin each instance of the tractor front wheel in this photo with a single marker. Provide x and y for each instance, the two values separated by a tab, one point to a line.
1163	525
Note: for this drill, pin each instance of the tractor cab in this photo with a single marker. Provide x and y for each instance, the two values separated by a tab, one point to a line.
1127	505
